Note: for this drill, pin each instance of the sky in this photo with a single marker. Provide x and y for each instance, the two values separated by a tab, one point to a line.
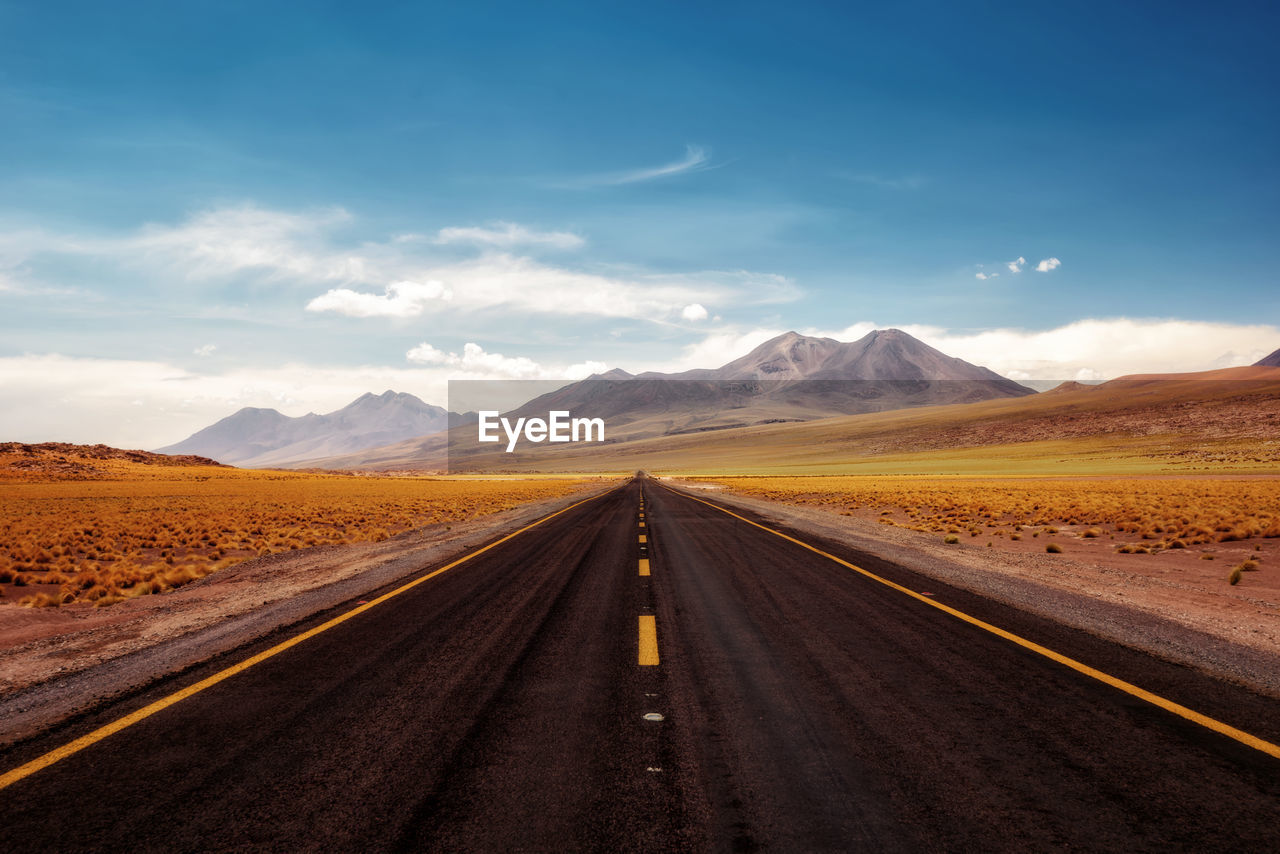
210	205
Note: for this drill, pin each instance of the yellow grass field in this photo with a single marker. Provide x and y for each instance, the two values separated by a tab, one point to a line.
1142	514
105	530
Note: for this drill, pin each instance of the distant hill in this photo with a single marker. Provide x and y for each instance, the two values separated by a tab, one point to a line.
1272	361
64	461
255	437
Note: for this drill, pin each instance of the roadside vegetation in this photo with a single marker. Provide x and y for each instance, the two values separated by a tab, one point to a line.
1135	515
121	529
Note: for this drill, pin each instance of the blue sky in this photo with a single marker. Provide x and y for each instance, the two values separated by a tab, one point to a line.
208	205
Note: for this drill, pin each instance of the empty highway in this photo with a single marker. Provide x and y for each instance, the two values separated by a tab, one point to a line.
646	672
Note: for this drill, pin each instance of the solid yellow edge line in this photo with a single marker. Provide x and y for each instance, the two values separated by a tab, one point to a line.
1129	688
648	640
57	754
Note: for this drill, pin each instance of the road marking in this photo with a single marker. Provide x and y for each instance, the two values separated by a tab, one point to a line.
641	524
644	566
57	754
648	640
1128	687
642	538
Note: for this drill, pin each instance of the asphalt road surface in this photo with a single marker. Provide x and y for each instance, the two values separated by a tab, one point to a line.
795	705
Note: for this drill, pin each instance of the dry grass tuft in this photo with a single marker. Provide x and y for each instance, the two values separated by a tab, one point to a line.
139	530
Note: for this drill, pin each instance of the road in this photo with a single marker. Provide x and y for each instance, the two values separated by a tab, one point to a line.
789	704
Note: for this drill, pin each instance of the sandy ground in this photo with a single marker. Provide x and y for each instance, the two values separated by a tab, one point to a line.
57	662
1172	604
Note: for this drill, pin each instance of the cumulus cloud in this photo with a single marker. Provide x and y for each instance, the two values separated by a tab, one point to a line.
475	363
521	284
1048	264
984	276
509	234
1016	266
399	299
694	312
205	350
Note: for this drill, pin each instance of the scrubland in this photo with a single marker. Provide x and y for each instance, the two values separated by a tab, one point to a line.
1138	515
100	531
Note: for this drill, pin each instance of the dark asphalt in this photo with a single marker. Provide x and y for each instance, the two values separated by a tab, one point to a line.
499	706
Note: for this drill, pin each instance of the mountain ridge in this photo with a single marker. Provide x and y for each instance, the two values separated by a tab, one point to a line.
263	437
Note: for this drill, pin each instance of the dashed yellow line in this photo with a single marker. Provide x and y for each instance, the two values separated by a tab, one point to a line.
57	754
1129	688
648	640
642	538
644	566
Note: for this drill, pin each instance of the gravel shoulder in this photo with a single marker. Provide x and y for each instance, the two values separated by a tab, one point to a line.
57	663
1231	634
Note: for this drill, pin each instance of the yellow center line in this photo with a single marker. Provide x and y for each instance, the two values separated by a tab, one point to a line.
644	566
642	538
57	754
1181	711
648	640
642	524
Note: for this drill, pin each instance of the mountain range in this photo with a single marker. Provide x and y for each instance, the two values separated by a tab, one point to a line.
259	438
791	377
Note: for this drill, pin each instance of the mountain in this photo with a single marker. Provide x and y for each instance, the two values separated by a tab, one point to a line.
885	354
789	378
1272	361
255	437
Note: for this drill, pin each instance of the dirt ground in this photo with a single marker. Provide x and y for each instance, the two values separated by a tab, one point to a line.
1173	604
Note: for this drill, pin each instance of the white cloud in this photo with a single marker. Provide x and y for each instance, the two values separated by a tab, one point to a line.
475	363
396	277
523	285
696	158
984	276
399	299
147	404
694	312
509	234
1048	264
1102	348
225	241
1097	349
205	350
1016	266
